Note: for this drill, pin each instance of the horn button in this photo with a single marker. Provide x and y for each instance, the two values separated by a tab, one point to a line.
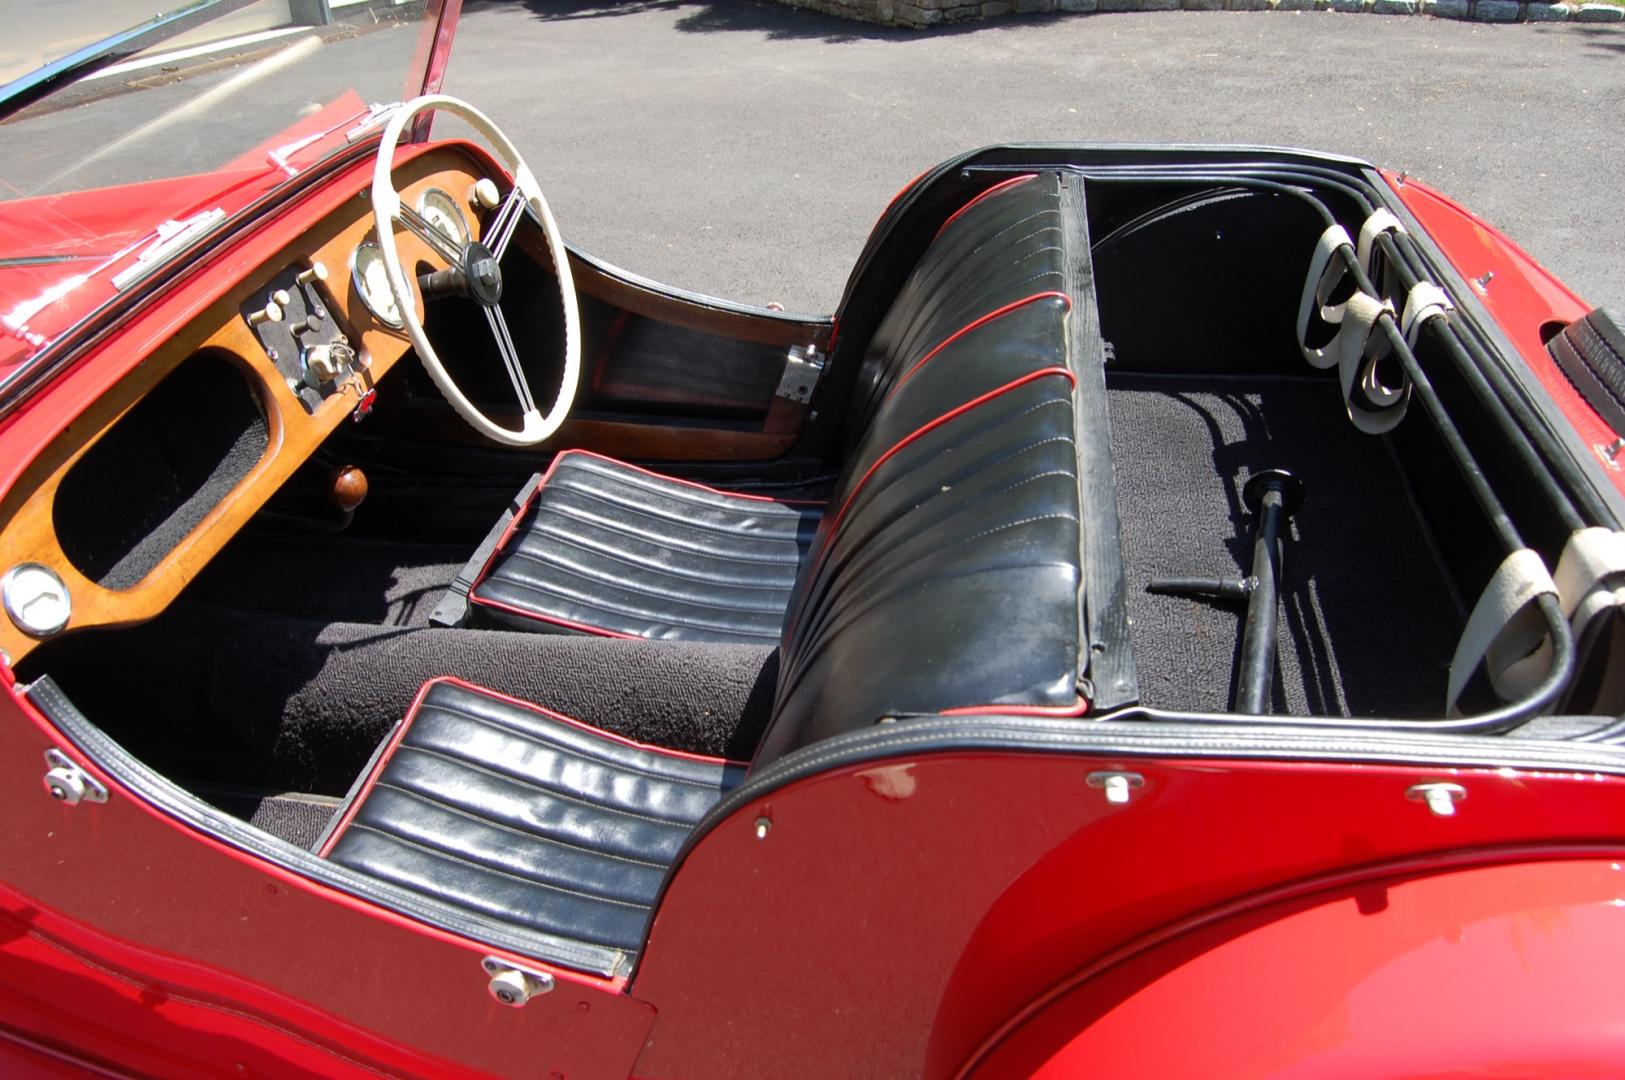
483	274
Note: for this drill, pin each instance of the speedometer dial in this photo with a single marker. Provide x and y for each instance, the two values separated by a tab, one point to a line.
441	211
371	279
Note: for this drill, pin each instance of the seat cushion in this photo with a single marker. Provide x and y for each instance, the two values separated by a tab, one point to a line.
603	547
526	816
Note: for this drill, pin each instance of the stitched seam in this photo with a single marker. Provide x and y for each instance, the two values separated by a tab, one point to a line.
673	488
1018	524
451	808
551	561
584	518
632	505
451	856
541	788
657	538
556	592
584	755
615	555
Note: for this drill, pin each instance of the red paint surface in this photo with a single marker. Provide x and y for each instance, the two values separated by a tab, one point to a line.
128	937
1506	972
1522	297
898	914
105	228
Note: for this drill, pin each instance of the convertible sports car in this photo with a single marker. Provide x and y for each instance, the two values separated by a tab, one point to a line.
1167	619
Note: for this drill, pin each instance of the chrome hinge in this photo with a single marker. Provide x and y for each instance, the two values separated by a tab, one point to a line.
803	367
513	986
68	783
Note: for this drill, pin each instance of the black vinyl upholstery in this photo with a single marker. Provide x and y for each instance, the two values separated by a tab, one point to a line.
945	573
608	548
526	816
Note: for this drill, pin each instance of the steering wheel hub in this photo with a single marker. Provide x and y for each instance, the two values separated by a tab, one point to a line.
483	272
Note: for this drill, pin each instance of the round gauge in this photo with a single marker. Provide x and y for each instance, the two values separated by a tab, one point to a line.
442	212
371	280
36	599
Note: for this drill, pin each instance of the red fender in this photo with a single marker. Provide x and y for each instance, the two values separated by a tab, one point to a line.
1505	971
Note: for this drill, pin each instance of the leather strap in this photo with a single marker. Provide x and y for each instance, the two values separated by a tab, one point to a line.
1373	406
1381	221
1425	301
1505	632
1323	278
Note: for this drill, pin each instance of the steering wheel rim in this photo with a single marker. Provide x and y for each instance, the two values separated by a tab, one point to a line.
389	211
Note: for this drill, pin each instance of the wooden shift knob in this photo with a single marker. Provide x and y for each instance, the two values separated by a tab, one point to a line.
346	487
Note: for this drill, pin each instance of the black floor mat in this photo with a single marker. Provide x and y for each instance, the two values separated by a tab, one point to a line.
213	695
1368	623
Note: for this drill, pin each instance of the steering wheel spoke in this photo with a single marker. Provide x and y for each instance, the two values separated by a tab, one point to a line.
510	357
437	241
482	275
505	223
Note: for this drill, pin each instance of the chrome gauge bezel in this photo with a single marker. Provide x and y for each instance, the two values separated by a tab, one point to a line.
358	281
15	595
451	208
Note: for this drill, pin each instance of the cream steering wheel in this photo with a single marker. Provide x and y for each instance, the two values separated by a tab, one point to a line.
480	264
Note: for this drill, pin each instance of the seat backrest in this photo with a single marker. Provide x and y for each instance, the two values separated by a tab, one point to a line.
945	574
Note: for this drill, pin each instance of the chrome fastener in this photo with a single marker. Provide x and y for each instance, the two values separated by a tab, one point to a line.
514	986
67	783
1440	796
1117	785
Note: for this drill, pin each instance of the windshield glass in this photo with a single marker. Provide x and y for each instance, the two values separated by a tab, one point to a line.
205	121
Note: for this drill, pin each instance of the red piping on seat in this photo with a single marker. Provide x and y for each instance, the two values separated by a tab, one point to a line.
927	428
519	515
1080	709
968	327
1000	186
451	680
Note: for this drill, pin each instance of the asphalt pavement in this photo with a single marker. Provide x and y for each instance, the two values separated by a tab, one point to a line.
746	149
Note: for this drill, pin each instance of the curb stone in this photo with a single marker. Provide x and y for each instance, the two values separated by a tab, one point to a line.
919	14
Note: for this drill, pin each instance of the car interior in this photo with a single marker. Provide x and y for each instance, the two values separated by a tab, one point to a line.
1011	476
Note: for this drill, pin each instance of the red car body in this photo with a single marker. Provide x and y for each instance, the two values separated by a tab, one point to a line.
1237	917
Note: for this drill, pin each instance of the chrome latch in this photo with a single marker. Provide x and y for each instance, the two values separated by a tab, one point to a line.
513	986
68	783
803	367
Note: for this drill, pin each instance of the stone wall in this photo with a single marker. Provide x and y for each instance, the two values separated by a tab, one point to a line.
919	14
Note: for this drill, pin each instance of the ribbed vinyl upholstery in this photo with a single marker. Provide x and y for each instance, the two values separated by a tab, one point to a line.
946	572
617	550
529	817
943	574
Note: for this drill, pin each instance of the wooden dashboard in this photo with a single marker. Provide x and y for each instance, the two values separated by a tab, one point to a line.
293	431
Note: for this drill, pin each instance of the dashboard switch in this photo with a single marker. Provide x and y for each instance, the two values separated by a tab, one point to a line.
271	312
312	274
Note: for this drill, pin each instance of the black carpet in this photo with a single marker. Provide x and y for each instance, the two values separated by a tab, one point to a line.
294	816
211	694
1368	624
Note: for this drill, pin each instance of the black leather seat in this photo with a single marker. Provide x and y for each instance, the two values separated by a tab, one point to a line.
945	575
598	546
525	815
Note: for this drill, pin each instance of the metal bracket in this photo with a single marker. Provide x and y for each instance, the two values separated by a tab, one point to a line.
803	367
67	783
513	986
